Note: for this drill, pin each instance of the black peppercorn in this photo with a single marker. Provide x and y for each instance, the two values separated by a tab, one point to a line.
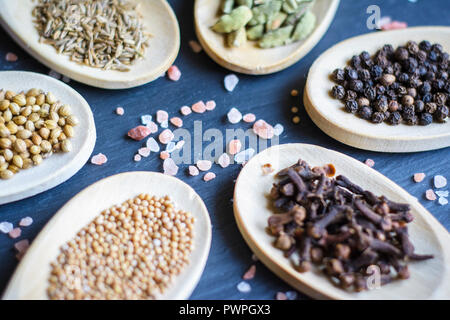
407	100
427	97
425	45
364	74
401	90
408	111
437	47
350	95
338	92
391	94
430	107
356	62
401	54
370	93
351	74
432	56
403	78
388	50
447	87
362	102
411	92
378	117
376	71
440	98
442	75
412	47
338	75
425	88
395	118
351	106
380	89
438	84
441	113
410	64
389	69
366	56
415	82
425	119
410	119
356	85
422	70
387	79
419	106
421	55
365	112
393	106
381	105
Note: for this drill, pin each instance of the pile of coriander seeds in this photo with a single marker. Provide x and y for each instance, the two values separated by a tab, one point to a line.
33	125
409	84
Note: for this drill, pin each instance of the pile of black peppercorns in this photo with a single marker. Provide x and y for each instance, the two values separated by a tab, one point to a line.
409	84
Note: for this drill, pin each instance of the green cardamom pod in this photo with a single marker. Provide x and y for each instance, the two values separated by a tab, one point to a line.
255	32
227	6
295	17
276	38
304	27
264	12
237	19
237	38
248	3
276	21
289	6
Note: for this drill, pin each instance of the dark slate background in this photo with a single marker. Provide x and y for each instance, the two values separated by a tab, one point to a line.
266	96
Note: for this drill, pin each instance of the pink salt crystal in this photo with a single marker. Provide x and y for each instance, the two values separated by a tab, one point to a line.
166	136
249	118
174	73
164	155
144	152
11	57
185	110
418	177
281	296
99	159
170	167
152	126
209	176
224	160
234	146
137	157
138	133
22	245
210	105
195	46
120	111
199	107
193	171
430	195
369	162
263	129
161	116
26	222
15	233
177	122
204	165
394	25
267	168
250	274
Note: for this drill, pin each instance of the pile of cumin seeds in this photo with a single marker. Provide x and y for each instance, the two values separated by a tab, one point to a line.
106	34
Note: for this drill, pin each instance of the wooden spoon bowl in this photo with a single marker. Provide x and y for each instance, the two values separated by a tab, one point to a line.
250	59
158	19
429	279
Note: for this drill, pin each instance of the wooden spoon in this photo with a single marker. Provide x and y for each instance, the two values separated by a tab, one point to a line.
429	279
250	59
329	114
28	283
158	19
60	166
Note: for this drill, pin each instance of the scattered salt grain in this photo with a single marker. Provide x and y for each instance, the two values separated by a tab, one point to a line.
6	227
54	74
22	245
199	107
244	156
185	110
369	162
443	201
180	145
278	129
204	165
230	82
161	116
418	177
210	105
195	46
146	119
11	57
26	222
138	133
294	92
153	127
99	159
224	160
174	73
170	147
263	129
296	120
441	193
165	124
164	155
170	167
152	144
267	168
291	295
244	287
193	171
250	274
120	111
394	25
144	152
280	296
249	118
439	181
294	109
137	157
430	195
255	258
234	116
166	136
15	233
176	121
209	176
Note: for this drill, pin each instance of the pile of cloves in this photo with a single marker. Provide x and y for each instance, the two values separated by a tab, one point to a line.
340	227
